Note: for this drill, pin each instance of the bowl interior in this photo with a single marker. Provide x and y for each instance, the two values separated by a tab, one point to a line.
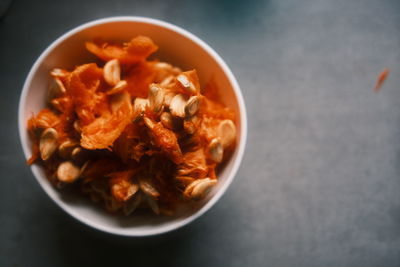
175	47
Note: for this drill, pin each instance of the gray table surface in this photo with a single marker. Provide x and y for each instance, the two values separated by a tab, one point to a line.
319	184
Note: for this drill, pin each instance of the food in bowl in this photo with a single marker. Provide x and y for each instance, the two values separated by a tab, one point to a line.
130	132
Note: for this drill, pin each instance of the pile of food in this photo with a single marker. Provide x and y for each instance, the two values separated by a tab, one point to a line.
132	133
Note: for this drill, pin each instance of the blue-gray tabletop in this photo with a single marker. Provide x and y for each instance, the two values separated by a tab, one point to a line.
319	183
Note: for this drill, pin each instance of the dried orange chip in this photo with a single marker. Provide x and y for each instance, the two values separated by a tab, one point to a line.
381	79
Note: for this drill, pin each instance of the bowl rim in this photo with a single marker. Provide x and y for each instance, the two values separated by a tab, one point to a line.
120	231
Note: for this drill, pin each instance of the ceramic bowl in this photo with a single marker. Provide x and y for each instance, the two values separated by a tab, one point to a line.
176	46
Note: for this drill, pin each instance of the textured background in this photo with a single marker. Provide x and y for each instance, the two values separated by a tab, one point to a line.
319	184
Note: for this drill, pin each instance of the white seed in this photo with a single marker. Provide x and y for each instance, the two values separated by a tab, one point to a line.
184	180
216	150
166	67
66	147
167	81
83	168
132	204
226	132
60	85
168	96
133	188
48	143
156	97
162	70
177	106
153	204
202	188
67	172
176	70
167	120
56	89
163	66
75	152
112	72
149	123
186	83
148	188
139	107
121	85
58	72
189	189
199	188
124	190
77	127
192	106
78	154
183	80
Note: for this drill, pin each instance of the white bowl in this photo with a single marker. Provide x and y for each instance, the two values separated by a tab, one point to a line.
176	46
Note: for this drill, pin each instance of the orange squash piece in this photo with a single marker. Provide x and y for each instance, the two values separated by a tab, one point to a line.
216	110
123	146
44	119
138	49
104	130
139	77
166	140
81	87
193	165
